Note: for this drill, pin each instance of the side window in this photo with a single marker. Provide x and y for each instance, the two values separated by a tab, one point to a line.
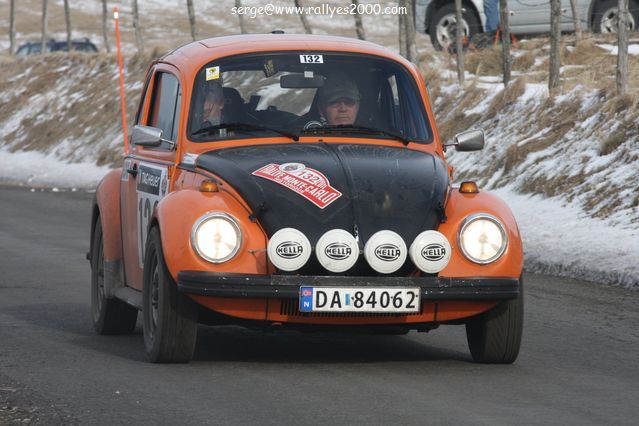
165	106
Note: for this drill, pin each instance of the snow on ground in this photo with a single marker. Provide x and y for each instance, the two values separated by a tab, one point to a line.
36	169
562	240
633	49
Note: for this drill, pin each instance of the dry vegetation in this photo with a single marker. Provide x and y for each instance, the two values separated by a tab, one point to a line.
586	121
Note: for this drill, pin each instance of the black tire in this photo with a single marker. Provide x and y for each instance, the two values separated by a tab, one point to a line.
110	315
442	28
169	318
495	336
604	19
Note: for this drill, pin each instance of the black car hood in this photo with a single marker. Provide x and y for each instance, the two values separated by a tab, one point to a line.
381	187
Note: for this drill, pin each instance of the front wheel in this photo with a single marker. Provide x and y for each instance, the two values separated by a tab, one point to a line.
443	26
606	16
169	318
494	337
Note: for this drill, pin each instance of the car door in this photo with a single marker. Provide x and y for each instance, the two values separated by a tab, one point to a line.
147	171
533	16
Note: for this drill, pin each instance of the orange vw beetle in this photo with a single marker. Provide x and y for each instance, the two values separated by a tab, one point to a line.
298	181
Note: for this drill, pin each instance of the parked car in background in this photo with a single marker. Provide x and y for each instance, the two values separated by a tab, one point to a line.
437	17
79	45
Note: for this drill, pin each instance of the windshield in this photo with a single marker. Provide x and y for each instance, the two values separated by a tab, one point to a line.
294	94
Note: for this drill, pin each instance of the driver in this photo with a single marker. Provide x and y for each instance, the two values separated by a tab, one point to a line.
339	101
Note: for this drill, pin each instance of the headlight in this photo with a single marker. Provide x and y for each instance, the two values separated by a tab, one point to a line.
216	237
482	238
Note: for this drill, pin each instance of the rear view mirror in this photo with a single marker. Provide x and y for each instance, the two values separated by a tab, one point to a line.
471	140
149	137
301	81
146	136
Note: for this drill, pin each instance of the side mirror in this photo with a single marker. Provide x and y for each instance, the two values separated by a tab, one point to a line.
148	136
471	140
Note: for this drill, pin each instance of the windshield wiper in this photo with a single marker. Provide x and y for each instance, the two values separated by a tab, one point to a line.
245	126
349	128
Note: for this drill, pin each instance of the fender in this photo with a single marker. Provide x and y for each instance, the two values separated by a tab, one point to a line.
458	208
107	207
175	216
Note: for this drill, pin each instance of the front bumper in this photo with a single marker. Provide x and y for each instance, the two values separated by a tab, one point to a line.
287	286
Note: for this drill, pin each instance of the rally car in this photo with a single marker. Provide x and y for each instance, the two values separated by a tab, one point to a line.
298	181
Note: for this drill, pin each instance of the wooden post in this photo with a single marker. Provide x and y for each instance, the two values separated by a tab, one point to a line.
622	47
136	25
104	26
116	19
12	27
402	30
307	27
67	21
238	4
411	48
576	21
45	19
459	34
505	39
189	6
555	40
359	25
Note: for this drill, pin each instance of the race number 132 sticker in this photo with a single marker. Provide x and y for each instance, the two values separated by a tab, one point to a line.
311	59
307	182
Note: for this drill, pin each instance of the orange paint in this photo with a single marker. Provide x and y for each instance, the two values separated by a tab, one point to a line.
185	203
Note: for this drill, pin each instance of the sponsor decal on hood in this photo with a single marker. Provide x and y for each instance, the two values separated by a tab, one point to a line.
307	182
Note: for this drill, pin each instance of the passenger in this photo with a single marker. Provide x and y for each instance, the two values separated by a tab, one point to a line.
213	105
339	101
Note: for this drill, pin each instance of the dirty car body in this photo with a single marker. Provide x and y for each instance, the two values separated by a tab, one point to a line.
319	197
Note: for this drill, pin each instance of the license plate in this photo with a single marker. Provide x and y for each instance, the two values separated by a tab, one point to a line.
375	299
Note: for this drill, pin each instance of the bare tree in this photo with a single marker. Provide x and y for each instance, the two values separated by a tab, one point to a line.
136	25
104	26
576	21
67	21
189	6
359	26
238	4
505	39
622	47
12	27
459	34
45	20
411	48
555	40
307	27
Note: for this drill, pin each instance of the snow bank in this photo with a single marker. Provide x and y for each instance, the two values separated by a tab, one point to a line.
561	240
36	169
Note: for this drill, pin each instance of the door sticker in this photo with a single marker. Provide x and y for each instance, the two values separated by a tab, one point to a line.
151	187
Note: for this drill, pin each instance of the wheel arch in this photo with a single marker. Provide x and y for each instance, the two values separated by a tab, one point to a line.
175	225
460	206
106	208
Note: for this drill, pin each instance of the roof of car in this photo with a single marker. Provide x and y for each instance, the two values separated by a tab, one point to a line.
192	56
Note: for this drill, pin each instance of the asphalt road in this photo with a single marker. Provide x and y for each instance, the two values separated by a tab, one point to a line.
579	362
